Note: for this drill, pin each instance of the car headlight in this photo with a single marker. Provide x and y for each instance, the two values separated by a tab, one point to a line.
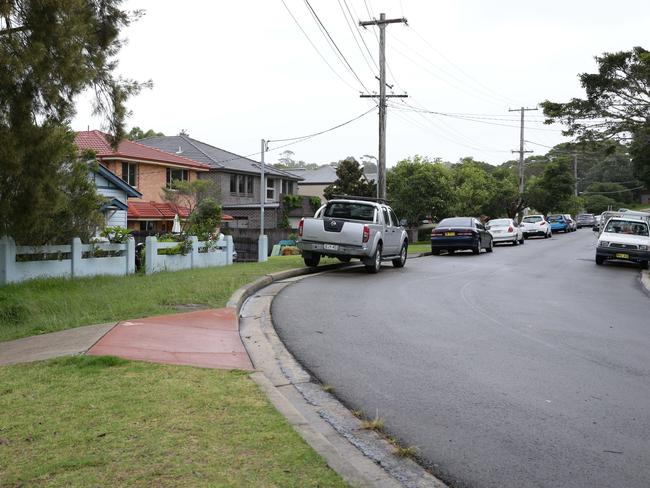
603	243
643	248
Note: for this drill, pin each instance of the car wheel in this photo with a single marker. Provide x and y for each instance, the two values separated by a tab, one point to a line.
376	261
515	242
600	260
645	265
490	246
311	260
477	247
401	260
522	241
547	235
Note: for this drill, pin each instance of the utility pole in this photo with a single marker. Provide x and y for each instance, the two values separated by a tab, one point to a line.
381	166
575	173
262	242
521	147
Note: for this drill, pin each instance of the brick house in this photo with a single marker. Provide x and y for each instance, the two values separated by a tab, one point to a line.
147	170
237	178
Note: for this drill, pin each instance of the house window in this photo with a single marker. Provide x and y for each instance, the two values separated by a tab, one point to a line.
147	226
174	174
239	223
241	184
270	189
130	173
287	187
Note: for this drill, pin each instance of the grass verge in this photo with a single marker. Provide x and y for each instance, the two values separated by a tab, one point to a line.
47	305
103	421
418	247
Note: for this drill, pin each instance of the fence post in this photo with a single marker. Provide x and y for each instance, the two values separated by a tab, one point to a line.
151	255
7	260
229	249
75	257
194	253
263	248
130	256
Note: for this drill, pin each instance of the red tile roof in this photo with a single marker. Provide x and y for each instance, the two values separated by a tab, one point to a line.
97	141
159	211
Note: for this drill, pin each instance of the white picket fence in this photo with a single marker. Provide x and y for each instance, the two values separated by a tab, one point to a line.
201	256
77	260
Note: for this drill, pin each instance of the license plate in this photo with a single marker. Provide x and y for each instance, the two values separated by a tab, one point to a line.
450	234
330	247
622	255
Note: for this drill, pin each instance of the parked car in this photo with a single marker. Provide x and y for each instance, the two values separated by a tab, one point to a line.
625	238
558	223
354	227
460	233
535	225
505	230
573	226
585	220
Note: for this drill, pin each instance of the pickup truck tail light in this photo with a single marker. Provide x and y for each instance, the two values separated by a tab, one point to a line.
300	226
366	233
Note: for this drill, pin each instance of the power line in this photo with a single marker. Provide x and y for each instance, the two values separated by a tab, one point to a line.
610	192
315	47
347	22
347	63
308	136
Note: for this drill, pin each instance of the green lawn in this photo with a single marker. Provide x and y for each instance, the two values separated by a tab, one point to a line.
103	421
418	247
41	306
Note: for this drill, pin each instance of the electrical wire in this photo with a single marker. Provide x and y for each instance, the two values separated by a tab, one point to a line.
309	136
316	48
347	63
610	192
354	36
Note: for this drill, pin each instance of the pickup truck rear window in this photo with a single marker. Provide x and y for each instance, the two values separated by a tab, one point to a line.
627	227
349	210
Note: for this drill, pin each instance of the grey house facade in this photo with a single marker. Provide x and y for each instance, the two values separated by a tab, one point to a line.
237	178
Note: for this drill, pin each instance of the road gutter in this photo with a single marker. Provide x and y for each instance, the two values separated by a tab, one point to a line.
361	457
645	281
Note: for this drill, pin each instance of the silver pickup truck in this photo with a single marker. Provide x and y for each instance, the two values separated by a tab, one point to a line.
347	228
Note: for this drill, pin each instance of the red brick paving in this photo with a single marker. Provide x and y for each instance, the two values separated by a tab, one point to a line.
207	338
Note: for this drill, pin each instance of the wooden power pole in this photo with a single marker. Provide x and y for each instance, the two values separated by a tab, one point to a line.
381	165
521	147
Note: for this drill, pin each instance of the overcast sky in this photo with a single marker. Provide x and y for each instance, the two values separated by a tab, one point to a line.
233	72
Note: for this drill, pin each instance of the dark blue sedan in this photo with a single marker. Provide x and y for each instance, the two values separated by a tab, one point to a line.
460	233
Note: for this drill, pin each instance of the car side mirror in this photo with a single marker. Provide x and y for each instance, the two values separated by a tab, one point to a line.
403	223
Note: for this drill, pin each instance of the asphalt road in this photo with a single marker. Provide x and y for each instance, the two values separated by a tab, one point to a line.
528	367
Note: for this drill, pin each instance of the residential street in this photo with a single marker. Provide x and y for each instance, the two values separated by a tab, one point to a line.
528	367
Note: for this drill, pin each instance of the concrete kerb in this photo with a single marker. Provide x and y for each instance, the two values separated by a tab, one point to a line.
645	281
362	457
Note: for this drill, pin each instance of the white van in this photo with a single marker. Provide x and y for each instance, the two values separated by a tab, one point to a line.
626	239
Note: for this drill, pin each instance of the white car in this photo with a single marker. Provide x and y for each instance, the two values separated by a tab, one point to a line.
626	239
535	225
505	230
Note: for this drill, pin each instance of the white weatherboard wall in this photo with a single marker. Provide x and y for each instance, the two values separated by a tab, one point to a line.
199	257
67	261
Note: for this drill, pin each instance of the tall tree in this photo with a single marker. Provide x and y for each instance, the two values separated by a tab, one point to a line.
50	51
617	105
137	133
350	181
419	189
474	188
553	190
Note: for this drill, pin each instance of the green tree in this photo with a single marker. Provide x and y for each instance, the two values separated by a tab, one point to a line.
617	105
136	133
597	204
474	188
553	190
419	189
612	190
350	181
205	219
190	194
286	161
51	51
